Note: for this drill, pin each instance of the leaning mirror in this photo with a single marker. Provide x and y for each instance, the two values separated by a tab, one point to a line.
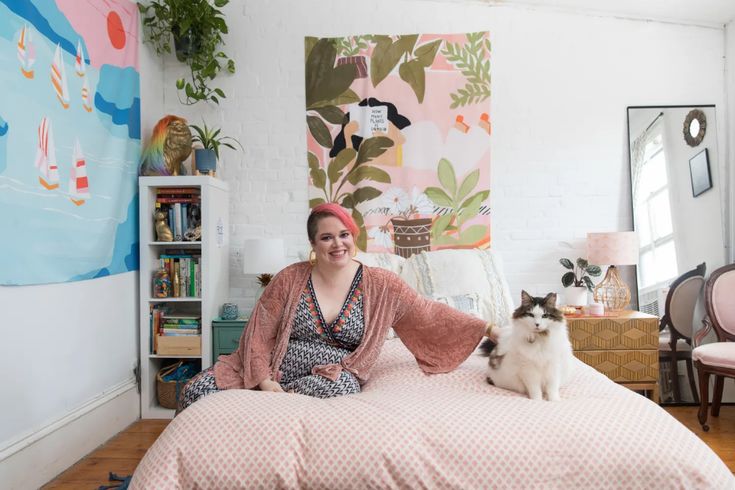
677	211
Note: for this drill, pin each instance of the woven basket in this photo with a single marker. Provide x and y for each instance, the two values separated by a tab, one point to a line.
168	391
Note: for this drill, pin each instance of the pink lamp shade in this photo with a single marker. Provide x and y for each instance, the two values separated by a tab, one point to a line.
612	248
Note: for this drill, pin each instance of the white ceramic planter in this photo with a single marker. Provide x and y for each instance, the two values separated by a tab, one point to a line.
576	296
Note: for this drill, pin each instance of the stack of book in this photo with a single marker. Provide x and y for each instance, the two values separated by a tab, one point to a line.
174	334
181	325
181	206
184	271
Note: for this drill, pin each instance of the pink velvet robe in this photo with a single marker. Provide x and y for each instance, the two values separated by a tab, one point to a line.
439	336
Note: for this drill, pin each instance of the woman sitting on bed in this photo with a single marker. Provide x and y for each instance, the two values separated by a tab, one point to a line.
319	325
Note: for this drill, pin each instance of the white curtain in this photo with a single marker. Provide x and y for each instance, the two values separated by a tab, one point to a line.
638	153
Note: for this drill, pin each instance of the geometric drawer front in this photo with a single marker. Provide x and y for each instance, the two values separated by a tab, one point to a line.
610	333
623	366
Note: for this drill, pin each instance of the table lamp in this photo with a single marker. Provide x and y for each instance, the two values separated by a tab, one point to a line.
613	249
263	257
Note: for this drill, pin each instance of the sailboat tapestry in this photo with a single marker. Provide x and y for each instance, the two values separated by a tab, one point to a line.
398	132
69	139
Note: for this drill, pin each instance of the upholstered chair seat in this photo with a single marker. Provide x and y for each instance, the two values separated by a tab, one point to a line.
717	359
718	354
664	343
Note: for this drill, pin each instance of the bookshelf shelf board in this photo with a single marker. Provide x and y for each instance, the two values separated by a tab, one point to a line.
183	299
184	181
172	356
176	244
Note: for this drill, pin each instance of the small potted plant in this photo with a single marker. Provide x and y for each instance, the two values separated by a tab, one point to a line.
206	157
578	280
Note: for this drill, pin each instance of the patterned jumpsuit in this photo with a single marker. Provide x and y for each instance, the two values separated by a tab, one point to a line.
312	342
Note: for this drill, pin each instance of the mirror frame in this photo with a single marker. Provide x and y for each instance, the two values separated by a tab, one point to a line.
695	115
702	130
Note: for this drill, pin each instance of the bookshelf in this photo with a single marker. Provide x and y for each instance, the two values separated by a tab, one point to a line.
203	261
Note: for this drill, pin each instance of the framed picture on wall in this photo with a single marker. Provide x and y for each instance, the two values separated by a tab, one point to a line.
699	171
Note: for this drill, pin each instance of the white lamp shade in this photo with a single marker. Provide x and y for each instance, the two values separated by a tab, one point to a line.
263	256
613	248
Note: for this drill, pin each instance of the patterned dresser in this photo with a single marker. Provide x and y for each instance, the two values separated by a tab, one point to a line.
621	345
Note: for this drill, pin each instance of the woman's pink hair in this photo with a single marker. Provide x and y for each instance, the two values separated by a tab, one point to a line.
330	209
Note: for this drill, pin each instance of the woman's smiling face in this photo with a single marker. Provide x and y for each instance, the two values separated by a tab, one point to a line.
333	243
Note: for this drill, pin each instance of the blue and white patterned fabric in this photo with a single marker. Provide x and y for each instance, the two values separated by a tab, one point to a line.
313	342
467	303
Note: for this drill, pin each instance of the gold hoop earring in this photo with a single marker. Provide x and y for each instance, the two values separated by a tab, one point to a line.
354	252
312	257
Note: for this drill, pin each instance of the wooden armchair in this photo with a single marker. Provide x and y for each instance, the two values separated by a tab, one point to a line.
717	358
675	344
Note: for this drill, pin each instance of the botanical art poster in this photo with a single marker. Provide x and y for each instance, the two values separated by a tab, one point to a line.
69	139
398	132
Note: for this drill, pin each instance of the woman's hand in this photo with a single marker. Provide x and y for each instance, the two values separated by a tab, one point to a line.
270	385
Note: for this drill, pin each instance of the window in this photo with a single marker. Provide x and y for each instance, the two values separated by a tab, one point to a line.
657	262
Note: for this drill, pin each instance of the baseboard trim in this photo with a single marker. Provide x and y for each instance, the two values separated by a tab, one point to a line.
36	458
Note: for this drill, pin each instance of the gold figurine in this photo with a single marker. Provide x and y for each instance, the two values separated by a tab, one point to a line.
163	232
170	145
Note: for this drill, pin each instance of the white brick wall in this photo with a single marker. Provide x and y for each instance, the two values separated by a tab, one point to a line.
561	85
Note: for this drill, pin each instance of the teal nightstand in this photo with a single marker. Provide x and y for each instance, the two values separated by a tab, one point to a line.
226	336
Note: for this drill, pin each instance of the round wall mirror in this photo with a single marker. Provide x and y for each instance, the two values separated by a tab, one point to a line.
695	126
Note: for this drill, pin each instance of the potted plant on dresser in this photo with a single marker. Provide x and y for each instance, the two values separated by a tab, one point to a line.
211	139
578	281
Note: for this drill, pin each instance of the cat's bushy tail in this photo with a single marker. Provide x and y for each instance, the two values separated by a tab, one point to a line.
487	347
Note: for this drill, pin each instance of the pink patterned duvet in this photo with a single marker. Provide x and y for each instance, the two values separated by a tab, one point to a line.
411	430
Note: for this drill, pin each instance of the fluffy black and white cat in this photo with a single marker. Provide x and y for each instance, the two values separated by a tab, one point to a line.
532	355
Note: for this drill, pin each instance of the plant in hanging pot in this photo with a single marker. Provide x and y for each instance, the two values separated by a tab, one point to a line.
206	157
349	49
578	280
196	27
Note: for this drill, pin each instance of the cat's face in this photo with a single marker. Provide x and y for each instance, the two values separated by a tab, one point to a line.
537	314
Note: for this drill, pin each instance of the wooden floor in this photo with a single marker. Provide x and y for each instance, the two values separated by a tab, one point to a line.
122	453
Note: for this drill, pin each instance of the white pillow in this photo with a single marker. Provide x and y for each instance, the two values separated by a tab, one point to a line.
454	272
391	262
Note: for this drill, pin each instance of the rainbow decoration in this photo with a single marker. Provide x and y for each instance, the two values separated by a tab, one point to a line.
152	160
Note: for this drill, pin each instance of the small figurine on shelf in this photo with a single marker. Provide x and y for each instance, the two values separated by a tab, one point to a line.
193	234
161	284
163	232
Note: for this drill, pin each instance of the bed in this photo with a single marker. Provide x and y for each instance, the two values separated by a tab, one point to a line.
407	429
412	430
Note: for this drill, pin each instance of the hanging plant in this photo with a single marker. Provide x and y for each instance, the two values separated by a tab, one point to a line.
196	27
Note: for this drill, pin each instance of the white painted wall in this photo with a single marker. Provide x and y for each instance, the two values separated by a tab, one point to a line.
729	123
67	353
561	85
